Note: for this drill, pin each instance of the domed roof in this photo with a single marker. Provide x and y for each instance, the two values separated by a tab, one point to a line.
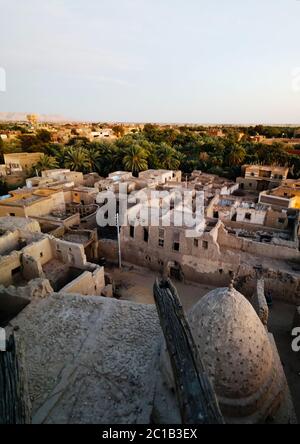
233	343
238	356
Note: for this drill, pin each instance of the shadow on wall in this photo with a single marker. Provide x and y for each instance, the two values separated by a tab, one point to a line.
10	307
63	280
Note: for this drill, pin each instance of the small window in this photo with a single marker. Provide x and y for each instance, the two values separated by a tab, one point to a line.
161	233
248	216
176	246
250	185
281	220
216	214
131	231
161	240
146	235
221	271
12	214
205	245
41	254
176	237
196	243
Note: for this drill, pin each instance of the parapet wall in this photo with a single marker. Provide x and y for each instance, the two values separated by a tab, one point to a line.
88	283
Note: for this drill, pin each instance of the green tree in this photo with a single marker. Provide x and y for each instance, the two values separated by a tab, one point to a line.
118	130
76	159
135	159
44	136
168	157
93	155
46	163
28	142
236	155
1	150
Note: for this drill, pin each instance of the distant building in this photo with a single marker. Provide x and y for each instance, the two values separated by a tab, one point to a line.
285	196
16	162
106	133
38	203
262	177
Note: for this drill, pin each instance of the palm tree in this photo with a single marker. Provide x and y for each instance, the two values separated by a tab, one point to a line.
168	157
93	154
236	155
135	159
46	163
76	158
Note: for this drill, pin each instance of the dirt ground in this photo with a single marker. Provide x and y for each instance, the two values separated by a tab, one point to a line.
135	284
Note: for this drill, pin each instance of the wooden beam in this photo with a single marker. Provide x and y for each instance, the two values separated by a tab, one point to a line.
195	394
14	398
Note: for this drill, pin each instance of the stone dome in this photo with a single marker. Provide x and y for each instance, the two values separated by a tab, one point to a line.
237	354
236	351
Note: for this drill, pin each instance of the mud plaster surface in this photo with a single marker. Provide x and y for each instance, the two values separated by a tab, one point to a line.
90	359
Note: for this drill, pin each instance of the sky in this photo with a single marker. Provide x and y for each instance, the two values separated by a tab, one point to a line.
172	61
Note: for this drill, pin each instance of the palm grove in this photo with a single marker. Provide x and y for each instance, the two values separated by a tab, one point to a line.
185	148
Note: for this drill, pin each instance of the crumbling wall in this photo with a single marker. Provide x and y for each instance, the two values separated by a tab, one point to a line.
259	302
226	240
88	283
46	206
257	216
109	249
282	285
7	265
9	242
269	250
31	268
69	253
279	249
198	259
273	217
40	250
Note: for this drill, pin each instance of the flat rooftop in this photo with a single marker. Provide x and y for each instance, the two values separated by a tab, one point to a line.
79	377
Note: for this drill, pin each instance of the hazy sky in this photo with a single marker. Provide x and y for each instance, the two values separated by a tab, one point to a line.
208	61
